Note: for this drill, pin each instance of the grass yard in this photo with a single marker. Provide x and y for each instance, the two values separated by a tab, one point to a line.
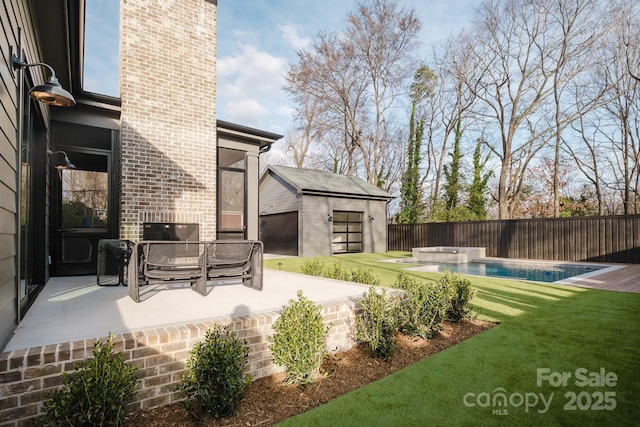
560	356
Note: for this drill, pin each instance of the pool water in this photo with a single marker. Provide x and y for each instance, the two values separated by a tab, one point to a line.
519	270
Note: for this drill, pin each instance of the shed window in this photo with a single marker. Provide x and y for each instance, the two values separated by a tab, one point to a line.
347	232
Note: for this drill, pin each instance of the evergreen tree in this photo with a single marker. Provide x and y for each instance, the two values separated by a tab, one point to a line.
453	182
411	204
478	189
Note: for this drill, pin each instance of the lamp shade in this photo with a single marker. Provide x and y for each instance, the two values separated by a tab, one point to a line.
53	93
60	160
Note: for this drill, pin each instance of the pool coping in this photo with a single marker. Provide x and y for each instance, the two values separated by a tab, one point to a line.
606	268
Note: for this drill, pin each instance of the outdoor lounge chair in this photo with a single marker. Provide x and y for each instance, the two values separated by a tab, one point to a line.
164	262
236	258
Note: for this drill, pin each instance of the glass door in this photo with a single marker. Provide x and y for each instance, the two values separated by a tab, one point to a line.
31	215
83	211
347	232
26	203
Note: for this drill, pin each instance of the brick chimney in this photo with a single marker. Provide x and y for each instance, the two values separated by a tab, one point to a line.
168	121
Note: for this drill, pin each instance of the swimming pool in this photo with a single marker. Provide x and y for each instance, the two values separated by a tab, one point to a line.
535	271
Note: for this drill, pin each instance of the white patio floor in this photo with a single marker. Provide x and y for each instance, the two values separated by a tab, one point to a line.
72	308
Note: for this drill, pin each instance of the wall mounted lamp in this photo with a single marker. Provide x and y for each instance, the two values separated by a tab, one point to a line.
371	218
329	218
60	160
51	92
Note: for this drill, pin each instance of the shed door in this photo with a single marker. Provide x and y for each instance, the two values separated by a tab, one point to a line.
279	233
347	232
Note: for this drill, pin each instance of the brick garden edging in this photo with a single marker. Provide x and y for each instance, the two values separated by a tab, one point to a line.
27	375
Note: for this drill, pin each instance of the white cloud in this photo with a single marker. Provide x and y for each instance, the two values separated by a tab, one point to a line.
250	87
242	34
247	112
251	71
285	110
290	35
256	40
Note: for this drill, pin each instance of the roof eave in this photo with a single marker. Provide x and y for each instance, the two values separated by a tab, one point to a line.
264	138
270	170
344	195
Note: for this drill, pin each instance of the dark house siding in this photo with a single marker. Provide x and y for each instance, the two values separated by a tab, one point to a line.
16	19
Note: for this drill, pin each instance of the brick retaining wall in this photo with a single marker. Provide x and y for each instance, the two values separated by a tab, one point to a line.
26	376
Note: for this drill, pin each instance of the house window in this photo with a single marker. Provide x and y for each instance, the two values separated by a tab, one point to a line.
347	232
101	56
231	194
85	199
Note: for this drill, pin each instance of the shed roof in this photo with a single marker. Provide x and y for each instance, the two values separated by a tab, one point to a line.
308	181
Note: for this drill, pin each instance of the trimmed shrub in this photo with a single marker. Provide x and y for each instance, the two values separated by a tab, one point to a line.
460	294
376	322
338	271
404	281
298	343
215	382
423	308
97	392
366	276
313	267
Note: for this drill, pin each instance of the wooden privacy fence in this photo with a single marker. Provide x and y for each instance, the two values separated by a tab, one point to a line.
599	239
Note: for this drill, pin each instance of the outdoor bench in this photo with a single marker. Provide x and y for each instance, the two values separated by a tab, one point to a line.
196	262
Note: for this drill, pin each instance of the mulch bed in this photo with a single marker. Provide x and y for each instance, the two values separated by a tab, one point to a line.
269	400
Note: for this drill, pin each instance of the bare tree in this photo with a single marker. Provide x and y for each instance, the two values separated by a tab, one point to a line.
622	111
513	80
326	77
298	142
383	36
628	23
587	156
356	80
84	198
447	108
572	33
547	85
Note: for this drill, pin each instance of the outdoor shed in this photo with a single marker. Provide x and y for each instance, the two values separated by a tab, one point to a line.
308	213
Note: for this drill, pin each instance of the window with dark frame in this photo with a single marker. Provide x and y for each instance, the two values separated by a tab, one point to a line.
85	198
347	232
101	56
231	194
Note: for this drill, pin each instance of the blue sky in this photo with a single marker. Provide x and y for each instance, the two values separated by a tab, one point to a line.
101	55
256	40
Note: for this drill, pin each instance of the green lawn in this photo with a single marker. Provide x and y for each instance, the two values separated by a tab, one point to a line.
561	356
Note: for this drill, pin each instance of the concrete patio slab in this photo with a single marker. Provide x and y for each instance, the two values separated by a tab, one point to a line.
73	308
